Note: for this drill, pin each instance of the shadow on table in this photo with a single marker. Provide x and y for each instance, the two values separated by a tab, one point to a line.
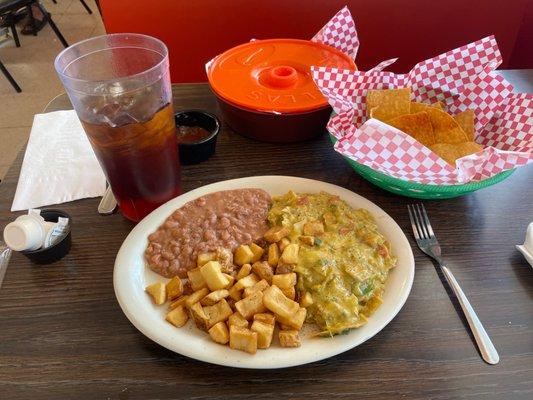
523	271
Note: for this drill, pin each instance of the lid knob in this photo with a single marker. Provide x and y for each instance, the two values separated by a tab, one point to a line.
281	76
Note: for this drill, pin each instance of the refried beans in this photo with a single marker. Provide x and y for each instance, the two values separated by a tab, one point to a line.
223	219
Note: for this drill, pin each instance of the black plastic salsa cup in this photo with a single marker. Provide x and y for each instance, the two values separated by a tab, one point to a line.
59	249
197	152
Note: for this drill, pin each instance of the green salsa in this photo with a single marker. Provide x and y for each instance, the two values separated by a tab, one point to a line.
345	268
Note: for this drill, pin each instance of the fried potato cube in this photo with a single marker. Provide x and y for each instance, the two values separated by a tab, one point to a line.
265	332
273	254
258	252
296	321
283	268
247	281
224	258
309	240
267	318
298	227
158	292
329	219
199	316
243	255
196	297
231	303
290	254
258	287
290	293
178	316
213	275
237	319
244	271
314	228
242	339
214	297
251	305
278	303
289	339
221	311
196	279
284	281
180	301
187	288
306	300
205	257
283	243
263	270
276	233
235	293
231	280
174	288
219	333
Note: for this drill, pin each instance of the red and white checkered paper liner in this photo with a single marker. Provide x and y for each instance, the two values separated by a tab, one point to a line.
340	33
462	78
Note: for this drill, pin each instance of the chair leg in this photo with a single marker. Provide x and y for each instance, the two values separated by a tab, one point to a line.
52	24
14	32
84	4
10	78
32	20
98	6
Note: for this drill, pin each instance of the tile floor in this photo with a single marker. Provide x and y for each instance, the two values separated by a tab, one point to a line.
32	65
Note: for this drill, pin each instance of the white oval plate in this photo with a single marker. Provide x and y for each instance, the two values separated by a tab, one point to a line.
131	276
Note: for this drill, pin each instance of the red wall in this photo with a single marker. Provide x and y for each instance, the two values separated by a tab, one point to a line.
522	55
413	30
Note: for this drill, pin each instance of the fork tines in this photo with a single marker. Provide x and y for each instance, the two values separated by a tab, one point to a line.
420	222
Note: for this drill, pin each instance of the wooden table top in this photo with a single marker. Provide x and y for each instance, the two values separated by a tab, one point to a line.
63	334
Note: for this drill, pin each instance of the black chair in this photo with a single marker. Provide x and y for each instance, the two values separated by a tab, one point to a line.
9	7
9	77
7	11
83	3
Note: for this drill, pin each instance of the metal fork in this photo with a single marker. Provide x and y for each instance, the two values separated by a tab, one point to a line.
427	242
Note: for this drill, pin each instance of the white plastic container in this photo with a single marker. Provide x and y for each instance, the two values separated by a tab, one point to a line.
27	232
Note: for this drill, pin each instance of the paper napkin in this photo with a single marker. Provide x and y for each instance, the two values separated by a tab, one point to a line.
59	164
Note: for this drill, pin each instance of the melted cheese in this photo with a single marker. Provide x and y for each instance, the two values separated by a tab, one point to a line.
345	270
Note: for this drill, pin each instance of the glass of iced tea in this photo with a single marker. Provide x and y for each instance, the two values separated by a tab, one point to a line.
119	85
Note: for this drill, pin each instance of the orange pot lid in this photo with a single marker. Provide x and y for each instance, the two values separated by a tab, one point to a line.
274	75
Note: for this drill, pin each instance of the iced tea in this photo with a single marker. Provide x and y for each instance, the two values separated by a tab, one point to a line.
119	85
140	160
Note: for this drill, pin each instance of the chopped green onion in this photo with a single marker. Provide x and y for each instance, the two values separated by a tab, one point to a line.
366	287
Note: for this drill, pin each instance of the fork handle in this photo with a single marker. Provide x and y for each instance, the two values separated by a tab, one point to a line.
487	349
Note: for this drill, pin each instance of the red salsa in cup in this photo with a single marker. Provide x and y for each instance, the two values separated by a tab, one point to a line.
191	134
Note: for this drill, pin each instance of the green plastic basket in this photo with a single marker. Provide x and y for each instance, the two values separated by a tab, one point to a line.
419	190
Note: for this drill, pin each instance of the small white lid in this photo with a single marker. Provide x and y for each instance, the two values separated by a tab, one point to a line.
25	233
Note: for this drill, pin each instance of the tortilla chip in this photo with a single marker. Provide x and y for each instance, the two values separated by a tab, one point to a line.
391	102
416	125
378	113
446	129
451	152
467	148
465	120
446	151
416	107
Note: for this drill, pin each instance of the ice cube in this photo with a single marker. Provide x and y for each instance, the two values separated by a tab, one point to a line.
114	114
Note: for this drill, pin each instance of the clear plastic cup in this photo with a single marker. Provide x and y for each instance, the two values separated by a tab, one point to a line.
120	87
